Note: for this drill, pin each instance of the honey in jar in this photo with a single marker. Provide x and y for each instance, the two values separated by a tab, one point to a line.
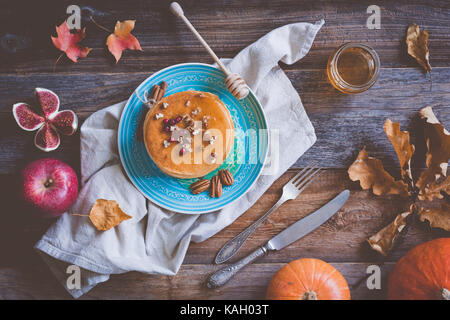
353	68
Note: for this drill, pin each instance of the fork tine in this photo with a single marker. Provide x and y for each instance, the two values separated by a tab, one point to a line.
312	177
304	176
307	178
301	173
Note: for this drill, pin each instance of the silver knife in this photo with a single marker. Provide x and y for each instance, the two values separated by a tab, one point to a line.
289	235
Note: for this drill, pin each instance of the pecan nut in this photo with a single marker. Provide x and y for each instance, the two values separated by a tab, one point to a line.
199	186
215	190
226	177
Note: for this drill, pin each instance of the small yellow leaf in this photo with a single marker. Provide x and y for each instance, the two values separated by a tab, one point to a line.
106	214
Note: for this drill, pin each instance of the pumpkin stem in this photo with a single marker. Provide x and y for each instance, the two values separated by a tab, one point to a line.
311	295
445	294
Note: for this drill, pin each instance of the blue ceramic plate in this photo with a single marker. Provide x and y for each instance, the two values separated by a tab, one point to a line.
251	142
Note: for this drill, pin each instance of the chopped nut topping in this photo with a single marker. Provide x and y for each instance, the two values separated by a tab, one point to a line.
164	105
208	137
166	143
188	103
205	121
158	116
196	111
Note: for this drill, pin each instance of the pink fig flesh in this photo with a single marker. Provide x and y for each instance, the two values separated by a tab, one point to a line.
66	122
48	101
26	118
47	138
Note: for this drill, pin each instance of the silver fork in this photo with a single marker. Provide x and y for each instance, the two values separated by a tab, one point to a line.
291	190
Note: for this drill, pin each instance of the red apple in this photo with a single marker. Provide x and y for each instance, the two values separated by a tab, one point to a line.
49	185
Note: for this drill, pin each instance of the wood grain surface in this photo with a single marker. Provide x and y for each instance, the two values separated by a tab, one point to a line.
343	124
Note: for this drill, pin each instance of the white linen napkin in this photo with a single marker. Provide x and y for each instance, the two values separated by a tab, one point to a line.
155	240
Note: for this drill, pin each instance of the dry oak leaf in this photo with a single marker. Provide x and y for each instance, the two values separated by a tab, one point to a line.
106	214
403	148
68	42
437	217
434	190
417	42
371	174
122	39
438	154
383	240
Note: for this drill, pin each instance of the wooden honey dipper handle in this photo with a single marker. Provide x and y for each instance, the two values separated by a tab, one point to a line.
176	9
235	84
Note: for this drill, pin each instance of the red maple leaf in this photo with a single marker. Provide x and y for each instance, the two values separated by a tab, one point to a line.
68	42
122	39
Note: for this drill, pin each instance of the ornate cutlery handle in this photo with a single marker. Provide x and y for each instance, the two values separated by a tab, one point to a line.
222	276
232	246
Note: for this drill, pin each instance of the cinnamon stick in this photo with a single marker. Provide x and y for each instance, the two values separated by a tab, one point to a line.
154	94
162	91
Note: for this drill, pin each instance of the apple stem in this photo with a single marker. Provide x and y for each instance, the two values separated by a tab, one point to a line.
48	183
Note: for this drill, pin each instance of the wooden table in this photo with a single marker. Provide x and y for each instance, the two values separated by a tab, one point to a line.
343	123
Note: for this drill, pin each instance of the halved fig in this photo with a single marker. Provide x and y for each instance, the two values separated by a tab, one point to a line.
47	138
48	101
26	118
66	122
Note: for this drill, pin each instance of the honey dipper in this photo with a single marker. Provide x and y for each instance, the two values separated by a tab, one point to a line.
234	82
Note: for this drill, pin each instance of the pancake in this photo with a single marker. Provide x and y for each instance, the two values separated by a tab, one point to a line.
188	134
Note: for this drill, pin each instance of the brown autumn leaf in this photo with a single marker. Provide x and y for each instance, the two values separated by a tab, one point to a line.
106	214
383	240
437	139
437	217
434	189
402	146
417	42
371	174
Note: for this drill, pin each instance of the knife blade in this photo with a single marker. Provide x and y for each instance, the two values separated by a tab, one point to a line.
304	226
289	235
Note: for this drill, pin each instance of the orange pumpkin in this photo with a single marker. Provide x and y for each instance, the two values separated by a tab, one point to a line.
423	273
308	279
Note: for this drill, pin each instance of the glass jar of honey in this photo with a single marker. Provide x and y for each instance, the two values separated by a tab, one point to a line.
353	68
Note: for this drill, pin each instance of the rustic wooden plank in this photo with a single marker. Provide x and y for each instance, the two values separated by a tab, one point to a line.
228	26
363	215
343	123
250	283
